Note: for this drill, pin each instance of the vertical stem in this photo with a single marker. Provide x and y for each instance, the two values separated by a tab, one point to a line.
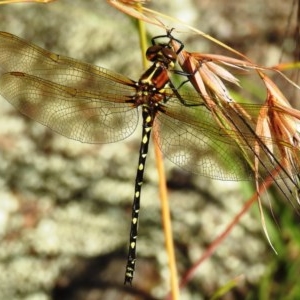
166	220
143	38
143	42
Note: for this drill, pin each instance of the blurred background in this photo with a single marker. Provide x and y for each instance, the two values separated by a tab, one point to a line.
65	207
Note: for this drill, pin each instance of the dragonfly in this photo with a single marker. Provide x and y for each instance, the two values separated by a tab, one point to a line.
92	104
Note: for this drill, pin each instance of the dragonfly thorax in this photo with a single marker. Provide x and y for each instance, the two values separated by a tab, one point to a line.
151	85
148	94
156	77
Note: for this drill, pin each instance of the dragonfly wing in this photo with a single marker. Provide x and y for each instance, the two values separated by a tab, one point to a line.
20	56
82	115
76	99
219	144
190	138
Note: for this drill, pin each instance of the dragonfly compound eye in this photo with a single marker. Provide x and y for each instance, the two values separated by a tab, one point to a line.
169	54
153	52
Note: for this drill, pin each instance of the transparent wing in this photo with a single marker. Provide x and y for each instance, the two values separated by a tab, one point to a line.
191	137
78	100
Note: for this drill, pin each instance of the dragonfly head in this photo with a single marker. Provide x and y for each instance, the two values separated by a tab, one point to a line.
162	53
